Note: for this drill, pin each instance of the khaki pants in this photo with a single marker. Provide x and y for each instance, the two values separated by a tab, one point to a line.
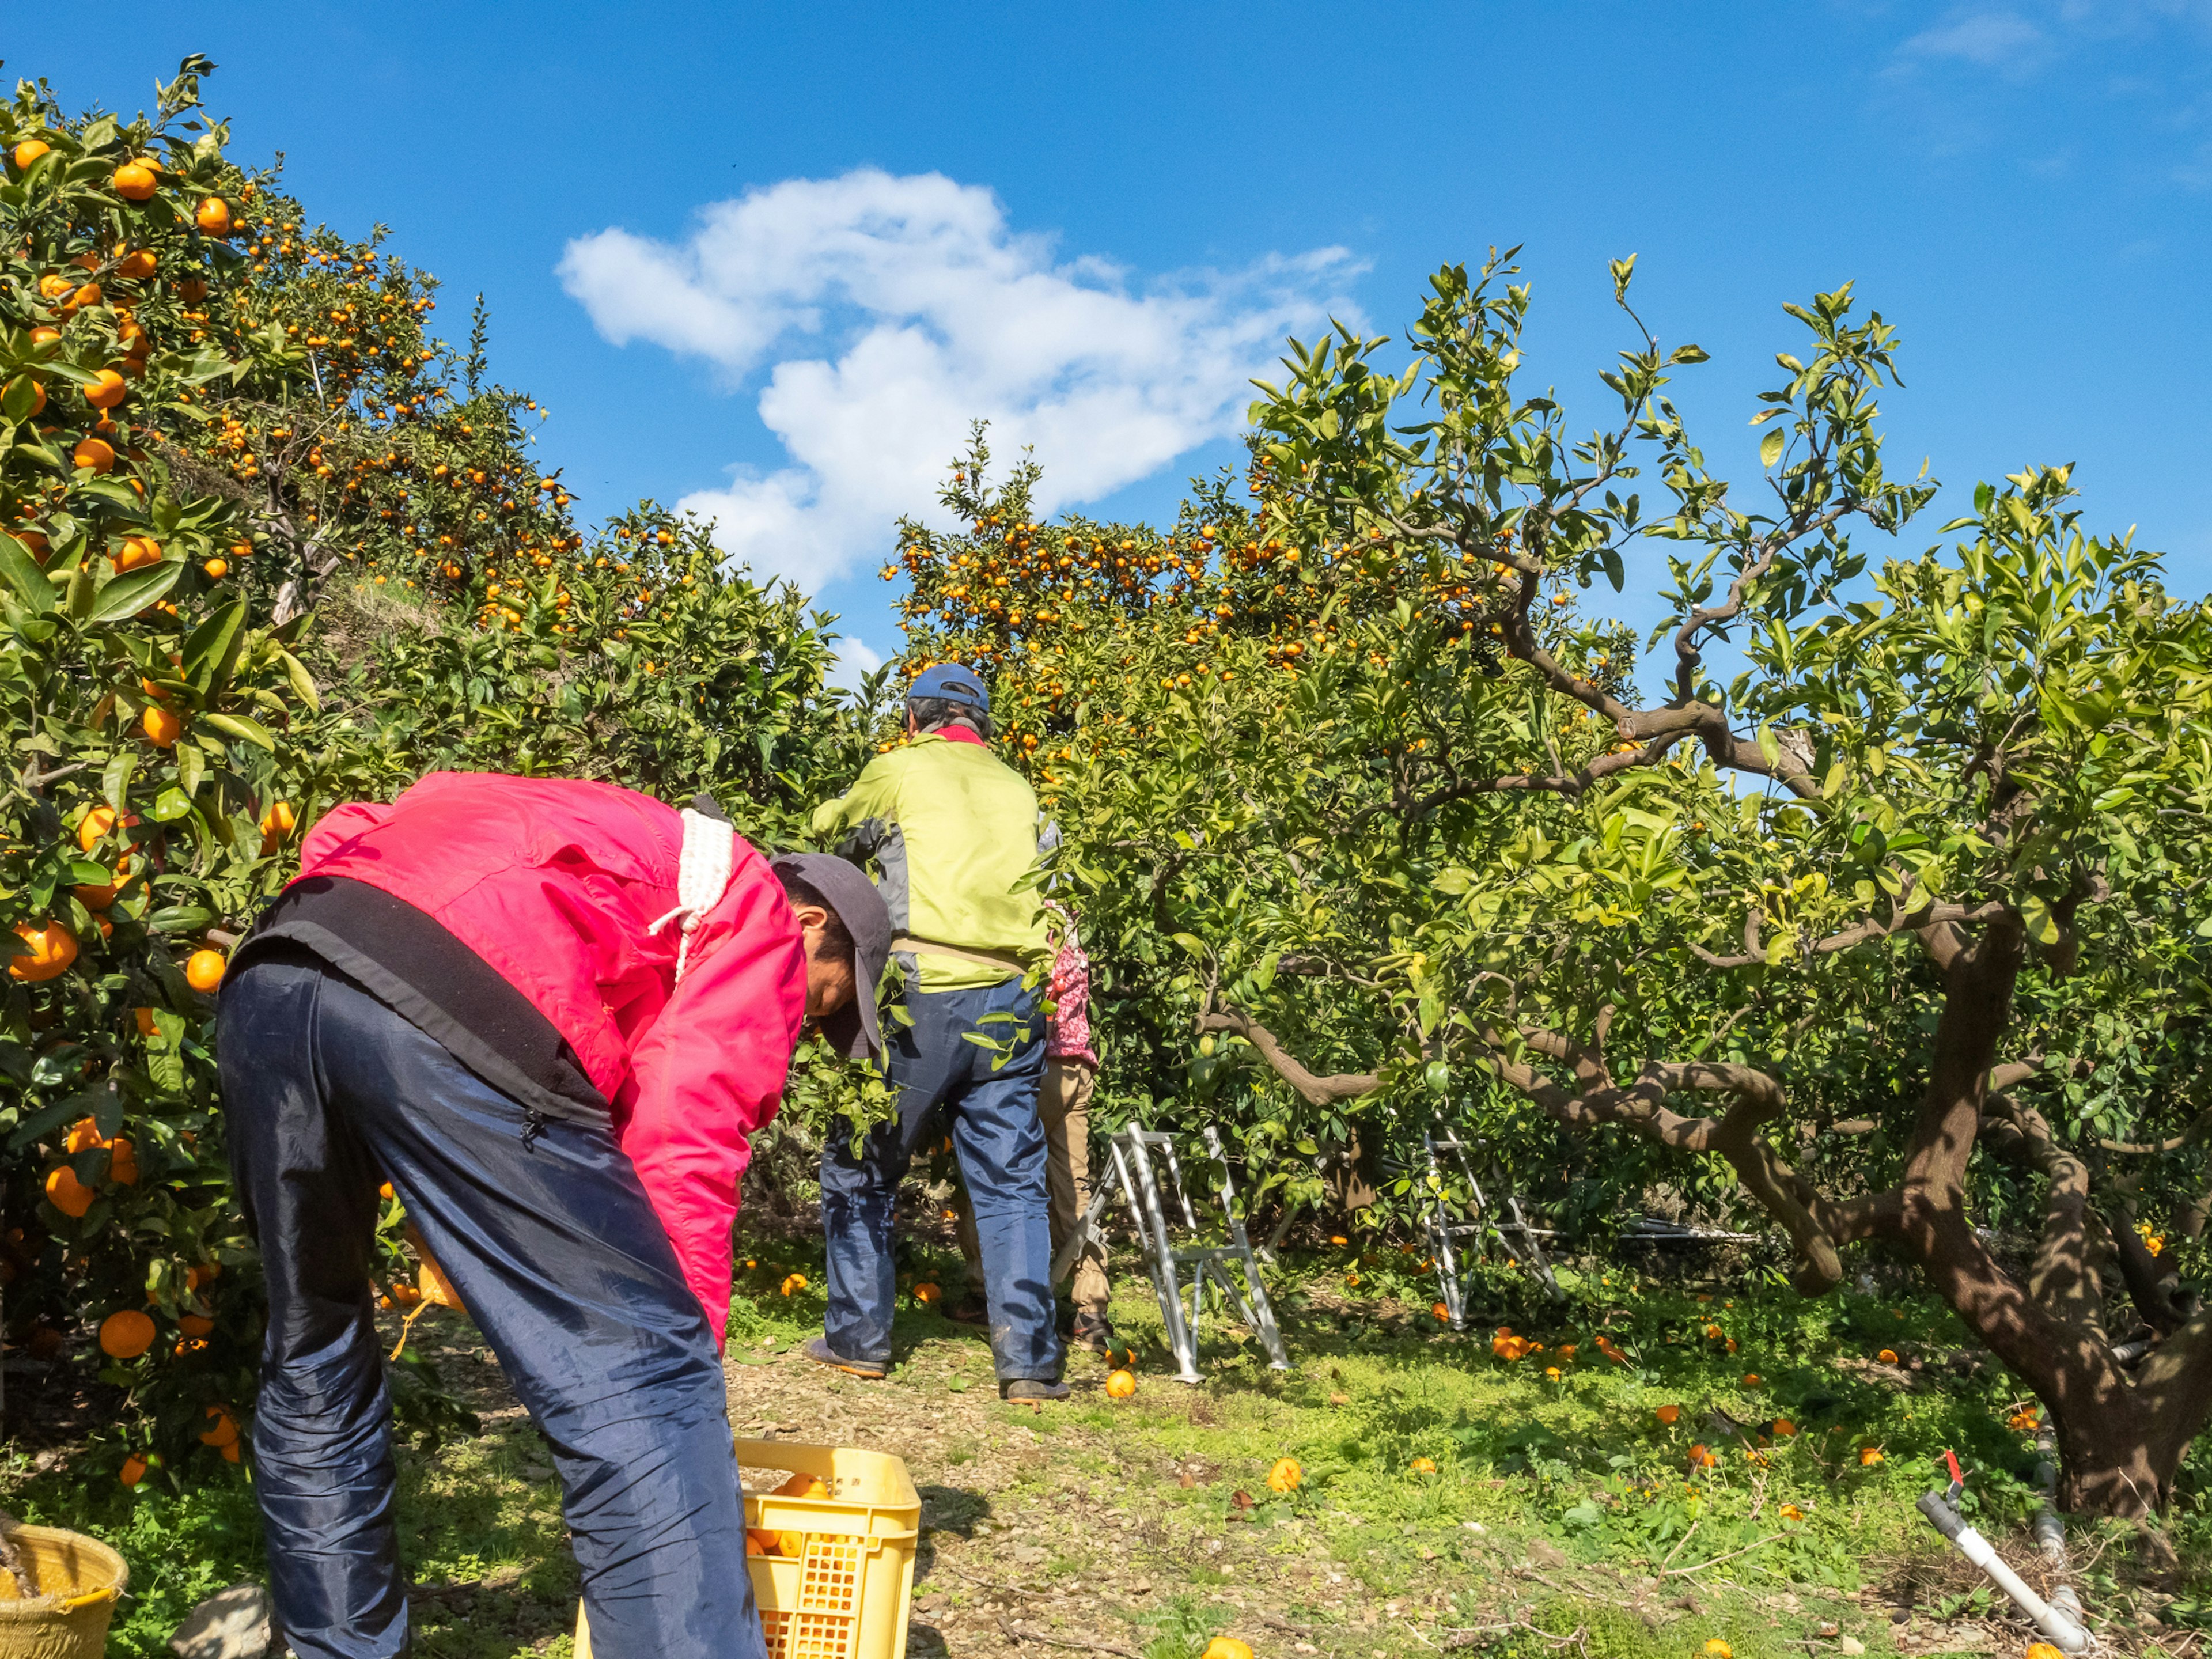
1064	1104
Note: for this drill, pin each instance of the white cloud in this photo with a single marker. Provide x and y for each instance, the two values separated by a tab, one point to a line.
2002	40
889	312
855	657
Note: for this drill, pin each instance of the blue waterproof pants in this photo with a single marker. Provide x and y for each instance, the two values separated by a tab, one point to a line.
992	1116
547	1235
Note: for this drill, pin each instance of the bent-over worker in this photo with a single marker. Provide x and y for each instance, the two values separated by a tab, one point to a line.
550	1013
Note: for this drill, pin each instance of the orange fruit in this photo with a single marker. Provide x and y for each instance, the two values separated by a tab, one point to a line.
192	290
1120	1385
54	286
1783	1429
125	1335
67	1194
926	1294
794	1282
83	1136
223	1432
804	1485
1285	1475
145	1019
1751	1379
203	968
107	389
1423	1466
214	217
53	947
97	822
161	727
38	407
136	550
137	265
1441	1311
133	181
2042	1650
1869	1456
196	1325
1666	1414
216	568
1227	1647
276	824
1702	1457
123	1161
133	1470
95	455
100	897
90	295
790	1543
44	337
1887	1356
29	151
230	1452
753	1546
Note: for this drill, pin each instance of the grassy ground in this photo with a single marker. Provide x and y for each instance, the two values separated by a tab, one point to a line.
1451	1497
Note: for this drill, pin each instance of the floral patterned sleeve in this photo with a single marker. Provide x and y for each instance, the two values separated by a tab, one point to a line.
1069	1037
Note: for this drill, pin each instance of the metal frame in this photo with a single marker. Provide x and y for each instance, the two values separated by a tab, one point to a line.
1208	1265
1443	1228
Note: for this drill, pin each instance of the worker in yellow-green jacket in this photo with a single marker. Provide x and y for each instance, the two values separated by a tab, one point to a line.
953	830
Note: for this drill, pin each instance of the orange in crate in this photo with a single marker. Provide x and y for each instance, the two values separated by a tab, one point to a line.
834	1569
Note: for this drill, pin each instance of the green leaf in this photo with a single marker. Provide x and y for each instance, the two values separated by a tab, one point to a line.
212	650
24	575
115	778
238	725
1770	747
1190	943
127	595
2035	914
1770	446
303	687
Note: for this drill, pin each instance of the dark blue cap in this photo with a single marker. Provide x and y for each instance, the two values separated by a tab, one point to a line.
949	681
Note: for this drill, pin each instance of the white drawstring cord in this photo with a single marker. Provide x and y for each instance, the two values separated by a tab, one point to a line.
701	875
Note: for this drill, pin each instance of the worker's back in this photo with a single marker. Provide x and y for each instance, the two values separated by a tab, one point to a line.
954	830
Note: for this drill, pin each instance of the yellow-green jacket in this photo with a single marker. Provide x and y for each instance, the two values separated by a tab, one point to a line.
954	831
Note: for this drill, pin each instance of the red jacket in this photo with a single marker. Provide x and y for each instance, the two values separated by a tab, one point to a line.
554	883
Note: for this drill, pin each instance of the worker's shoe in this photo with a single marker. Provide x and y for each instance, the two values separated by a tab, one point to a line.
970	1309
1093	1331
1032	1387
818	1349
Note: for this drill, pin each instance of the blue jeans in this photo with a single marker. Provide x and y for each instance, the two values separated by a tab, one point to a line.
992	1116
547	1236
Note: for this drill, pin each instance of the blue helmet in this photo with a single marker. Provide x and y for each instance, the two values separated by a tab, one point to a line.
949	681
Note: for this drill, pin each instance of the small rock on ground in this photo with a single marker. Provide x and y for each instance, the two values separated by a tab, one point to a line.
234	1624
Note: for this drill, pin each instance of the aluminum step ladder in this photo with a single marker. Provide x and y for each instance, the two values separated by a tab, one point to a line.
1184	1272
1477	1220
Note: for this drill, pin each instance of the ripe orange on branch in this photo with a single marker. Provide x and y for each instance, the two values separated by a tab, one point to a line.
125	1335
53	948
67	1194
134	182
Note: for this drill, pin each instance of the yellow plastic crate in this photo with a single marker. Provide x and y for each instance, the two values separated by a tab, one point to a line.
845	1594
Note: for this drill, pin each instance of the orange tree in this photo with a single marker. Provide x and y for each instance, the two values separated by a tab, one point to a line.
1892	938
234	463
1919	861
1212	714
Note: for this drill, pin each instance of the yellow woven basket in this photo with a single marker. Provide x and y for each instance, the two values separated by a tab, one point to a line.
80	1578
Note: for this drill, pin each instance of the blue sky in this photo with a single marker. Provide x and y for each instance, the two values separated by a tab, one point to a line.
769	260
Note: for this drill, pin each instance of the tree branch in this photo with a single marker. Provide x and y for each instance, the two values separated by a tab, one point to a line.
1316	1090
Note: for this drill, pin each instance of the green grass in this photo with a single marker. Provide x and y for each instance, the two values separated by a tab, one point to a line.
1557	1506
